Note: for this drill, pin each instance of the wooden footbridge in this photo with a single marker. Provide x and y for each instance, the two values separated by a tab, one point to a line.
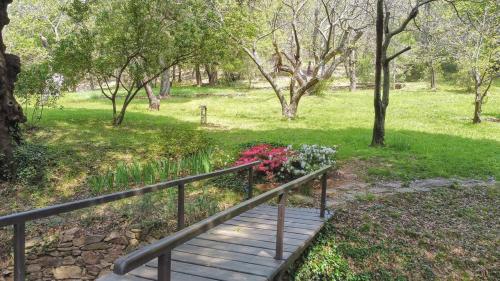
250	241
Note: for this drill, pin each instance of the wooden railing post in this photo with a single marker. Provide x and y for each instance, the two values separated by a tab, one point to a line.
280	226
323	195
164	266
180	207
250	183
19	252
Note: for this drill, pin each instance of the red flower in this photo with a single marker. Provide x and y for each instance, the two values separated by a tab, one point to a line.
272	158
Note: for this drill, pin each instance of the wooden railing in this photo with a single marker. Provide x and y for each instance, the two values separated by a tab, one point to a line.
18	220
162	249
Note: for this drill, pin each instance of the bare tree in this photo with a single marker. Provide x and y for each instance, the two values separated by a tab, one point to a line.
382	63
476	46
335	30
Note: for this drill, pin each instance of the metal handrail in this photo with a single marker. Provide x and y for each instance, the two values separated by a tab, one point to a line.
18	220
162	248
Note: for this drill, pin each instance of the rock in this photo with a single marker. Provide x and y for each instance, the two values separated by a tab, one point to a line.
46	261
130	234
33	268
113	235
91	257
92	239
117	238
133	242
33	242
93	270
35	275
65	245
67	272
104	273
71	231
69	260
78	242
96	246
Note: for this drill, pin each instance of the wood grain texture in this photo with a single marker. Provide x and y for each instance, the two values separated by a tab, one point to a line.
242	249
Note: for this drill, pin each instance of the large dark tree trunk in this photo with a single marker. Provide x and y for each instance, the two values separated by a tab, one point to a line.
154	102
11	113
198	75
165	84
379	124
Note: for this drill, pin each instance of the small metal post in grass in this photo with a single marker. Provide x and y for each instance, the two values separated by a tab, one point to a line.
203	112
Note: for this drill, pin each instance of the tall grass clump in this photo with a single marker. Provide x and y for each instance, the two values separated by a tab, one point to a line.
135	174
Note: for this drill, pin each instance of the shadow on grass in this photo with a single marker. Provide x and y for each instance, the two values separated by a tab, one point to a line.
408	154
84	142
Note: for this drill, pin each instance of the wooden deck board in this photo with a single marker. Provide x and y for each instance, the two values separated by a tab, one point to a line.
241	249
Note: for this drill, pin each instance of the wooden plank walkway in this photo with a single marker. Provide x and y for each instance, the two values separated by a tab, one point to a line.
241	249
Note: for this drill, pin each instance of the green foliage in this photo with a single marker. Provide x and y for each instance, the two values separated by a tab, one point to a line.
136	174
365	68
29	21
323	261
122	44
308	158
38	87
236	182
322	87
176	142
32	161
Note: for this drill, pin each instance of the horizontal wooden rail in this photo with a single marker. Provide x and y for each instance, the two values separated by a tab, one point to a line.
162	248
18	220
80	204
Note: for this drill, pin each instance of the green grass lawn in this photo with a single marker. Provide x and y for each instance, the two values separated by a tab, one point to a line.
429	134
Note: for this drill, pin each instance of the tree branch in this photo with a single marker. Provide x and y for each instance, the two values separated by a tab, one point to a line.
387	60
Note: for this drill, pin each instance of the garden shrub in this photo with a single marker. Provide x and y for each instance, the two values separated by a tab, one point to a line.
307	159
272	159
285	162
181	143
31	163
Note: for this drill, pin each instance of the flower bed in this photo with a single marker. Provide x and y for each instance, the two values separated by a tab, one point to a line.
280	162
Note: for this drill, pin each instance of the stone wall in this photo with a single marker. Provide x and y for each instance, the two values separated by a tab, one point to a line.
75	254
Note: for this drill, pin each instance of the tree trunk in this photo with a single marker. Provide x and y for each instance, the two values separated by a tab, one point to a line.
165	84
115	115
179	78
92	84
198	75
173	74
289	111
211	70
477	110
352	63
379	123
154	102
11	113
